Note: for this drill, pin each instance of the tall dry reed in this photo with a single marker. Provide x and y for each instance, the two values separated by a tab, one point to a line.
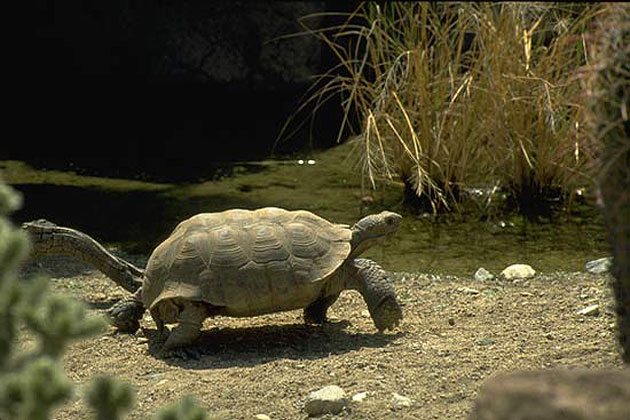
454	95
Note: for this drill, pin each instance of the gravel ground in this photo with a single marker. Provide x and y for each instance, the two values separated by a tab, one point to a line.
456	332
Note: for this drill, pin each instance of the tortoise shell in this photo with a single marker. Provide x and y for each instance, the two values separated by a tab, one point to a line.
247	262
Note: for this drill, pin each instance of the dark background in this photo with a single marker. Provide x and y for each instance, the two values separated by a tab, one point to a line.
164	88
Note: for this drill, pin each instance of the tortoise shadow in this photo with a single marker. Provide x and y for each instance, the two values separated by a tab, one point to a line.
226	347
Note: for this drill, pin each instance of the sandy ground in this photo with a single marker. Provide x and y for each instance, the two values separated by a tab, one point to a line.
452	338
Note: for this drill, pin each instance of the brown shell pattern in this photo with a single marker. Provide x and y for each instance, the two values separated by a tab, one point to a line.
248	259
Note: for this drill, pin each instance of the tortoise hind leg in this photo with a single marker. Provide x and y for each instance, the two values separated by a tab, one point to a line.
126	314
189	328
315	313
161	327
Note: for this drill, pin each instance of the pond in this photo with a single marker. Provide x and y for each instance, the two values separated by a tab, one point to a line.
134	215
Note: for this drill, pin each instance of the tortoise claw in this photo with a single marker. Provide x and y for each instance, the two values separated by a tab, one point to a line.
388	315
125	315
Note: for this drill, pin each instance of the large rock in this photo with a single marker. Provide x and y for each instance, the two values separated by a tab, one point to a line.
555	394
330	399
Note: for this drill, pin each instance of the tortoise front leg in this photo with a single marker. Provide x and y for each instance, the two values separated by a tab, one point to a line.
377	289
315	313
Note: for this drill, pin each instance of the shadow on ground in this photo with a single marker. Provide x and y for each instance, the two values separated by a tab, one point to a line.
221	348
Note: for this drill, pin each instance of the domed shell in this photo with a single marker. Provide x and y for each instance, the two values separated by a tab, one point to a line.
248	261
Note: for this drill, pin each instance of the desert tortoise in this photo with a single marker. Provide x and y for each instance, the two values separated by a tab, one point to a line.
245	263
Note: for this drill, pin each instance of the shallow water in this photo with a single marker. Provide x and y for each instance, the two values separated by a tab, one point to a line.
135	216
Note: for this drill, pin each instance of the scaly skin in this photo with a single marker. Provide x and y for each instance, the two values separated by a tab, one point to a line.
362	275
315	313
126	313
377	289
369	279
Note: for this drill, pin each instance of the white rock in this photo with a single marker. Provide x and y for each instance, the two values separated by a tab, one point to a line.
400	401
359	397
483	275
599	266
330	399
518	271
468	290
591	310
262	417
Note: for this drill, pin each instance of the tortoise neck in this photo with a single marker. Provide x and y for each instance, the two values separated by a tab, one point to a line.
359	242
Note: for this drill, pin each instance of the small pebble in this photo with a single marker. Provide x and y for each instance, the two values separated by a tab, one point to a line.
485	341
483	275
359	397
451	322
468	290
599	266
262	417
591	310
330	399
400	401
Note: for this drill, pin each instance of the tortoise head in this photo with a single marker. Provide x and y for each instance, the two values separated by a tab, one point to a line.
373	229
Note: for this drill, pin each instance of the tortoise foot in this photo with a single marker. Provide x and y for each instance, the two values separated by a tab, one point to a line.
315	313
125	315
309	319
387	315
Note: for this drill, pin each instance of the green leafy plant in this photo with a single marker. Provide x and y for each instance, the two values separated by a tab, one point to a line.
32	382
109	398
186	409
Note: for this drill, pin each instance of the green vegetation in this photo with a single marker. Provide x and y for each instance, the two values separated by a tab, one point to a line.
608	87
457	95
32	382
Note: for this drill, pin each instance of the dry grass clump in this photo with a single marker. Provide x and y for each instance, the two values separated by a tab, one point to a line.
533	118
454	95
